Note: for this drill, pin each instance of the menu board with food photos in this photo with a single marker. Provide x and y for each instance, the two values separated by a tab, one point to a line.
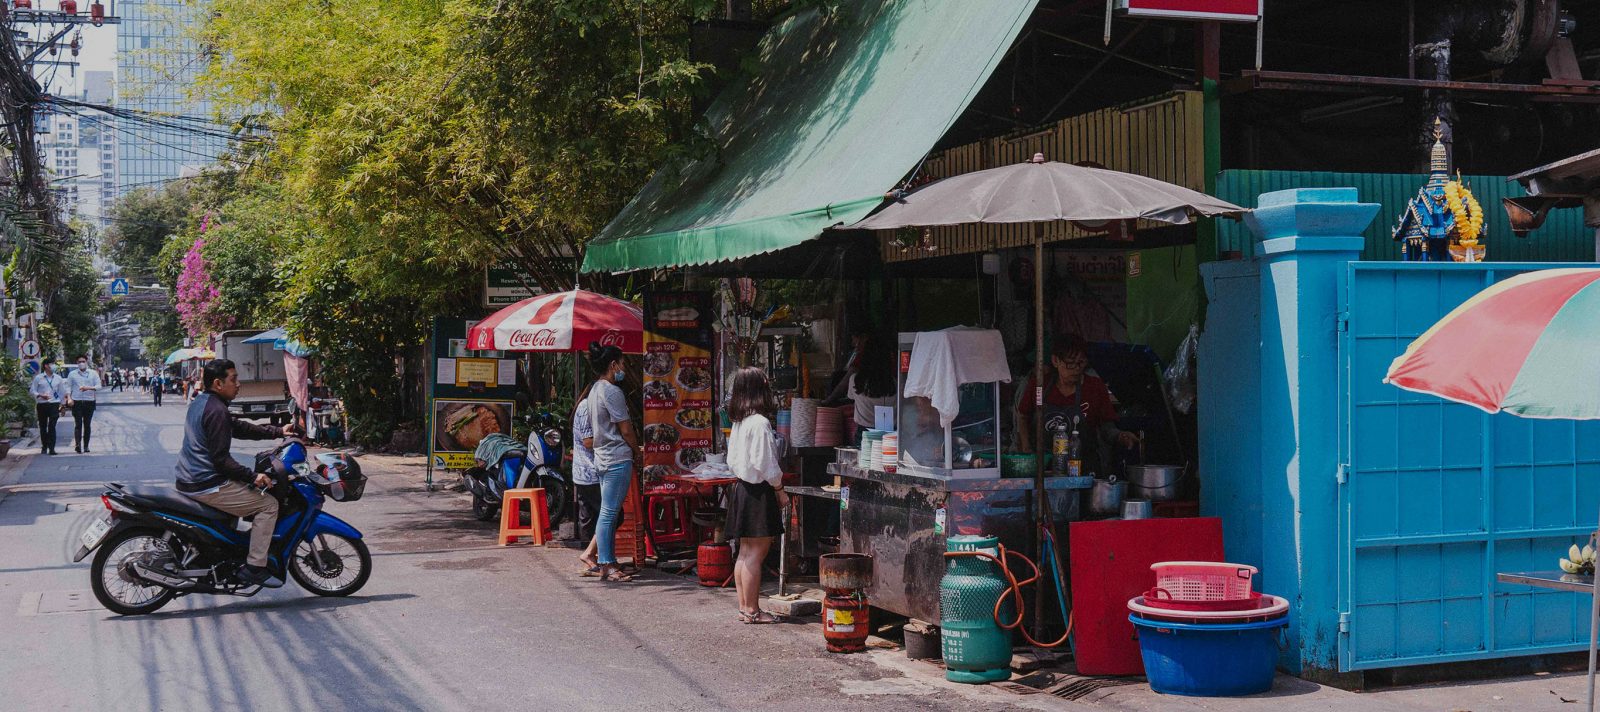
679	400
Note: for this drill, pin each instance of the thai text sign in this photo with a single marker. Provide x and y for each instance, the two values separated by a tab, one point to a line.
679	410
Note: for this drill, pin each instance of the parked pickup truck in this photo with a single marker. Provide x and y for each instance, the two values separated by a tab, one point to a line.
263	390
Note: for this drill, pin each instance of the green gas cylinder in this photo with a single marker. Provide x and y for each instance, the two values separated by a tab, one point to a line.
976	649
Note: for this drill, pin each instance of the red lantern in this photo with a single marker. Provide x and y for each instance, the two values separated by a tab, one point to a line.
69	7
97	13
24	4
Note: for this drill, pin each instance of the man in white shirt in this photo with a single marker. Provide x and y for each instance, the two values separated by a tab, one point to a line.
48	390
82	386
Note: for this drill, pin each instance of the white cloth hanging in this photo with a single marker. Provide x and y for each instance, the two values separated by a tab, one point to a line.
943	360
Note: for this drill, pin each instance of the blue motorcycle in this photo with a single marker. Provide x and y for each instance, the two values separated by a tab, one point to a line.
536	465
156	543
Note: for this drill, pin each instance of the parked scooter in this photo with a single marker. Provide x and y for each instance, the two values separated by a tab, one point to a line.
157	544
536	465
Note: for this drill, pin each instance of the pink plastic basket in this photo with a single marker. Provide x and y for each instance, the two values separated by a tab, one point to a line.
1204	580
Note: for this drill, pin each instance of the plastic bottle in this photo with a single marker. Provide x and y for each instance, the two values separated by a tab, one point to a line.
1060	444
1074	466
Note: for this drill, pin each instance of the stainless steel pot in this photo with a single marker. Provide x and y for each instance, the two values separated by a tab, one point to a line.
1105	499
1157	483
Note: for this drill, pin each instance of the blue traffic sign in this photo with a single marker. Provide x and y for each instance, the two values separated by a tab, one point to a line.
119	286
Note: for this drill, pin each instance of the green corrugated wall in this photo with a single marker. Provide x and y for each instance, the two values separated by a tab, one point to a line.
1562	238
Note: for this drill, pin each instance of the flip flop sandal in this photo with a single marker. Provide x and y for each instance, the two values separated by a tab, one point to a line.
757	618
590	572
616	575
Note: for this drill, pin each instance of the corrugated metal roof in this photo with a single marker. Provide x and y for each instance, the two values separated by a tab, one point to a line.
1563	238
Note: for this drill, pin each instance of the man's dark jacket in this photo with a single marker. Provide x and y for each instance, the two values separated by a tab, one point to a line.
208	433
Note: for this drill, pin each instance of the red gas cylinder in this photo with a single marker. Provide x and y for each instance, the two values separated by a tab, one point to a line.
714	562
69	7
844	622
23	4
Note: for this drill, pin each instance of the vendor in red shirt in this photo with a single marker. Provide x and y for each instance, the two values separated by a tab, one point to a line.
1077	400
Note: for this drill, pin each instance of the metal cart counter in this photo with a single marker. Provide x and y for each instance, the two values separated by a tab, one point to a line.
902	521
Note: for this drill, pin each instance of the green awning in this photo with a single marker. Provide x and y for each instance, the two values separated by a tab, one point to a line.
844	103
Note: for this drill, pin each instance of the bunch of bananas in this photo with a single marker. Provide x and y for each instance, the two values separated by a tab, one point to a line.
1469	214
1579	561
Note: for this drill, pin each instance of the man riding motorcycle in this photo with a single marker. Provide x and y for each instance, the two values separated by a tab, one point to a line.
207	472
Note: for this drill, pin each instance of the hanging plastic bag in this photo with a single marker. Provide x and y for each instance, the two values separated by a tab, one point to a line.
1179	375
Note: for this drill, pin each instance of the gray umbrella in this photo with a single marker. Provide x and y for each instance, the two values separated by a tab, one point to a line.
1042	191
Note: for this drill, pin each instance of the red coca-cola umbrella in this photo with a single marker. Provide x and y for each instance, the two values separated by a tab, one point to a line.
564	321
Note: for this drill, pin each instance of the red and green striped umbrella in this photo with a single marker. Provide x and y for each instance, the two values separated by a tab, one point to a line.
1529	345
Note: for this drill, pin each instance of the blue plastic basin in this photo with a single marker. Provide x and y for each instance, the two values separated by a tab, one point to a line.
1209	660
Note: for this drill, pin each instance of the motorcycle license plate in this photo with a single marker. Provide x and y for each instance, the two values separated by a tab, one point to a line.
96	533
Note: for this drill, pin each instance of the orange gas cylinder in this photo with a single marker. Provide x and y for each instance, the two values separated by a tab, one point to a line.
844	622
714	562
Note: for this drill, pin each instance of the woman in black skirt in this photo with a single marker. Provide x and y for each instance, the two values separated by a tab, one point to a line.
754	502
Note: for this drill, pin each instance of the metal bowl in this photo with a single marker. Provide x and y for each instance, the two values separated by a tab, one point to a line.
1157	483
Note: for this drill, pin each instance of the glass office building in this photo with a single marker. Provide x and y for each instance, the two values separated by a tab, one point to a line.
157	63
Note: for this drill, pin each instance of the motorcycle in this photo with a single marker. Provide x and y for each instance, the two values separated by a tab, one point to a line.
156	544
536	465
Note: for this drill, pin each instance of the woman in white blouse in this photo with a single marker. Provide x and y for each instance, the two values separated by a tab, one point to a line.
755	501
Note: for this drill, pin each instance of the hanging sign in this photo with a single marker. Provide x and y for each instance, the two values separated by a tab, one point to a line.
1209	10
679	415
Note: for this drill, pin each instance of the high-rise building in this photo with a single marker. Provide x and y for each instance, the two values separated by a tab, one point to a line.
97	140
157	63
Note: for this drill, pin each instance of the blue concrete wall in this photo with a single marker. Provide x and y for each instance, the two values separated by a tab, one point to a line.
1382	515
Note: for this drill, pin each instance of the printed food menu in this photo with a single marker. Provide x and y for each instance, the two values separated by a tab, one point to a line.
679	415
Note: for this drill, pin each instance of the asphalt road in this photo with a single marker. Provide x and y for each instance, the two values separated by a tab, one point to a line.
447	622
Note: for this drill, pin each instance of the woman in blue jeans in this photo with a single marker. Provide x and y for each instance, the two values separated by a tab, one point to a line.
615	445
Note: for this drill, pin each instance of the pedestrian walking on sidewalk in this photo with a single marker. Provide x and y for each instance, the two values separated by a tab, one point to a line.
155	389
585	481
83	385
615	444
49	390
755	502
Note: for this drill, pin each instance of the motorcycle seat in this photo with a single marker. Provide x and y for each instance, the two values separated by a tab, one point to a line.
167	499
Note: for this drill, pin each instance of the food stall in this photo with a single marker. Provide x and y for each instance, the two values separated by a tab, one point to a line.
947	476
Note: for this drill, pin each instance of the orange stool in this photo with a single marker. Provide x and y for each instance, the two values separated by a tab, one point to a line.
511	528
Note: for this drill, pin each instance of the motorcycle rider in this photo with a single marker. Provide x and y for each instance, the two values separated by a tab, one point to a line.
210	475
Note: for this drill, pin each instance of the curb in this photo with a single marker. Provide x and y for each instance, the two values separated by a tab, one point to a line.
14	465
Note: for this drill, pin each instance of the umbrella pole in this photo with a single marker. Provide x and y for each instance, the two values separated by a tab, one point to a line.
1041	501
1594	631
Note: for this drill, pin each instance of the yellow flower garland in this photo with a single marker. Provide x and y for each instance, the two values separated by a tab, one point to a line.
1468	213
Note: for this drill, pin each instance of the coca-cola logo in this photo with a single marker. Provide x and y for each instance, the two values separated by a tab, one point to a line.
484	341
612	338
542	338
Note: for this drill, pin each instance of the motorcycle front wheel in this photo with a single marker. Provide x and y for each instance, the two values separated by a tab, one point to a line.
331	565
111	575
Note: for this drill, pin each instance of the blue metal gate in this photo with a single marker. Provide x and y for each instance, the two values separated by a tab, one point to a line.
1436	497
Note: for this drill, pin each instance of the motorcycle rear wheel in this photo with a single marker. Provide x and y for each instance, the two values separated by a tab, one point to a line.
118	595
484	511
341	553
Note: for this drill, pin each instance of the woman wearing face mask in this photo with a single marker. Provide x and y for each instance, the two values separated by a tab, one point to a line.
615	445
1076	400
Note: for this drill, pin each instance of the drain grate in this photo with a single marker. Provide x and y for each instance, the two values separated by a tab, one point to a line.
1016	688
1081	687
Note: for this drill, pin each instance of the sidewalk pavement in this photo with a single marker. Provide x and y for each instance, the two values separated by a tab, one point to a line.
902	676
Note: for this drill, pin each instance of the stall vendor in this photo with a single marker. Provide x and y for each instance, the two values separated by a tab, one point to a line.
1075	400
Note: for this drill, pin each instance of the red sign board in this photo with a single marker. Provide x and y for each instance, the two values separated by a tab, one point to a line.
1213	10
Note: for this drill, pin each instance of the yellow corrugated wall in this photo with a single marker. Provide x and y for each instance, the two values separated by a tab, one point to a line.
1163	137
